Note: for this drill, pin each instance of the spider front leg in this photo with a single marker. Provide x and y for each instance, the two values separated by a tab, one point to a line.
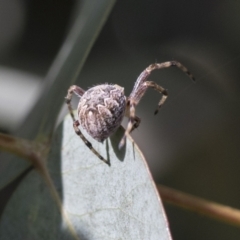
134	121
79	92
141	86
159	89
136	124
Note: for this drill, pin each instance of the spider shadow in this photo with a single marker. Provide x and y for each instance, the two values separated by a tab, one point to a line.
115	140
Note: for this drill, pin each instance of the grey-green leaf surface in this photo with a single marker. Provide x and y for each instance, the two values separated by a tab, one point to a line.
101	202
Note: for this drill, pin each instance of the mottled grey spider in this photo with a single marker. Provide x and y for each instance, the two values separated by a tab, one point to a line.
102	107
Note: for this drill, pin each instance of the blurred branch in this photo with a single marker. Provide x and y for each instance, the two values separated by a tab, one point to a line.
19	147
211	209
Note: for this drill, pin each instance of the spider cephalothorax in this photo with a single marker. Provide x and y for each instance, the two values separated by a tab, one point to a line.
102	107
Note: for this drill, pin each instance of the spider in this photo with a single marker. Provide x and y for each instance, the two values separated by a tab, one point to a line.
102	107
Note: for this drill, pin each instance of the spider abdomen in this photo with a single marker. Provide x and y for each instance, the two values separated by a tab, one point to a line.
101	110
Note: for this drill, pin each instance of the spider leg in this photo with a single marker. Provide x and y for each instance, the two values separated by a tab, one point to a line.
140	88
133	123
159	89
136	124
168	64
88	144
79	92
76	90
155	86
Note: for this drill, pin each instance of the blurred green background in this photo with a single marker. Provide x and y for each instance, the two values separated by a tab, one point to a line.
193	143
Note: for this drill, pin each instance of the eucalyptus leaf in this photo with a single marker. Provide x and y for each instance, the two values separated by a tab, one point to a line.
101	202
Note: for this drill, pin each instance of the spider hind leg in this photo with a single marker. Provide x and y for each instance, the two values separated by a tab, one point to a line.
88	144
